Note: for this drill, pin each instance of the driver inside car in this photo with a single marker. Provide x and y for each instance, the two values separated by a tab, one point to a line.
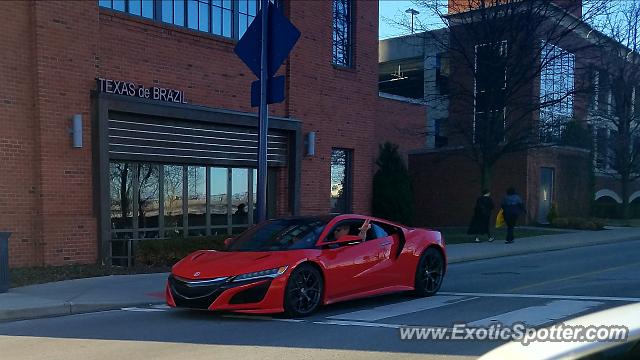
341	230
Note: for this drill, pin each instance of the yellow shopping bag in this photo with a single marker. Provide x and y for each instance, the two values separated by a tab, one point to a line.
500	219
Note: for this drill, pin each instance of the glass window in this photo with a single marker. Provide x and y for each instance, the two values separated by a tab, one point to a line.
203	7
221	18
192	11
240	197
247	10
173	200
147	8
178	12
228	18
218	197
134	7
148	198
197	202
342	32
118	5
148	201
167	11
282	234
490	92
121	191
556	91
341	180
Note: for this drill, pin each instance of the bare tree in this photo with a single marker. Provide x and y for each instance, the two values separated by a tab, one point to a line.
514	73
614	113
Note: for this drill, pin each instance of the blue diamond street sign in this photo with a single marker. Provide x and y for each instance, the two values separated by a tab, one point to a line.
283	36
275	91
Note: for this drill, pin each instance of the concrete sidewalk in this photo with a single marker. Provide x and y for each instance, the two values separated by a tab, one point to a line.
114	292
485	250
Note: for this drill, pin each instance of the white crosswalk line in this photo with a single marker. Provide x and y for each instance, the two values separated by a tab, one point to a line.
163	306
545	296
403	308
136	309
538	315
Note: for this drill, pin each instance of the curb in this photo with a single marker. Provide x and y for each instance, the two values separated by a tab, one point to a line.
516	252
64	309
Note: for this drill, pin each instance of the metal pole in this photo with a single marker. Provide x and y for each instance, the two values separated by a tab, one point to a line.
264	116
4	261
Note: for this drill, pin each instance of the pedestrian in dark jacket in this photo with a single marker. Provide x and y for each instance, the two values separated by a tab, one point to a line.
512	207
480	223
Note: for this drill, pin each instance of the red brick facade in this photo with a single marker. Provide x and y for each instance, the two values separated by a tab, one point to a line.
58	48
446	184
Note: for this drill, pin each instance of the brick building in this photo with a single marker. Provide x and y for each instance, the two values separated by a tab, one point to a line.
168	135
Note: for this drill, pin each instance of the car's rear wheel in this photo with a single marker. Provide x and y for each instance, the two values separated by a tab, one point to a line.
429	273
303	292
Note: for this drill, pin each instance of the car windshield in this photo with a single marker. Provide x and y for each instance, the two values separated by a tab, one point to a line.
280	234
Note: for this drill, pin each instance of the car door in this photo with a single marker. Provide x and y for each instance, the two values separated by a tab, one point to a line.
388	240
351	268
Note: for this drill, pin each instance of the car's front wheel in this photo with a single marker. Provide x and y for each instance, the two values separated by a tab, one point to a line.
429	273
303	292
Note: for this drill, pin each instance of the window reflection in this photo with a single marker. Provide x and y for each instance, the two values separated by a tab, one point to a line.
148	199
172	199
340	181
218	198
240	198
121	191
197	202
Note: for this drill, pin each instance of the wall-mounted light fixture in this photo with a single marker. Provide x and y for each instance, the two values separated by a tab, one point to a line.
76	130
311	143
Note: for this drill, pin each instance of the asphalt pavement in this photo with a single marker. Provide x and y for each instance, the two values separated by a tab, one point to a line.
538	288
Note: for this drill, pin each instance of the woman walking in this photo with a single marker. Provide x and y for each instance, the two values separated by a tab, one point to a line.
512	207
482	217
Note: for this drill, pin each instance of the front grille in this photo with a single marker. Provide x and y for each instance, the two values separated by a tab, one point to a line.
195	294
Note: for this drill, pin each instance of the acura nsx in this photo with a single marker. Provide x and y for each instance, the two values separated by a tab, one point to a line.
294	265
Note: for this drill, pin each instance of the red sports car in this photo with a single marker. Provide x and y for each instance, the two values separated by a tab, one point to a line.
294	265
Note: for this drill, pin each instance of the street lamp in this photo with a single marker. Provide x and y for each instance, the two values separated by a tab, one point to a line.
413	13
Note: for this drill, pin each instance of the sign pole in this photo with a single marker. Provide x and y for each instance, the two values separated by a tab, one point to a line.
264	116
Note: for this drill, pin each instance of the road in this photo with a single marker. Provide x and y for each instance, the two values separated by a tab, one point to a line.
538	289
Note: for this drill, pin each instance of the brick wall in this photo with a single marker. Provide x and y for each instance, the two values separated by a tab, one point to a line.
447	184
401	123
338	104
19	194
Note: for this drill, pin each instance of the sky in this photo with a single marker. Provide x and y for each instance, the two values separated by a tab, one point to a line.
391	12
394	11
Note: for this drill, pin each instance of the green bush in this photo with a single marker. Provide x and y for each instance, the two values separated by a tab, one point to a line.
579	223
166	252
392	193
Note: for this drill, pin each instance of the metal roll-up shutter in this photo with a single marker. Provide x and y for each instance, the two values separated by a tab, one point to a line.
135	137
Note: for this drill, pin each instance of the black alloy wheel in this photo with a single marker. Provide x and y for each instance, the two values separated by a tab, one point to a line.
429	273
303	292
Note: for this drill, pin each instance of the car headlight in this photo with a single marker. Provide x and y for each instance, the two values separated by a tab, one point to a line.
271	273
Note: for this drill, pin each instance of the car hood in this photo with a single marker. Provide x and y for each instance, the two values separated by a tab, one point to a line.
211	264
